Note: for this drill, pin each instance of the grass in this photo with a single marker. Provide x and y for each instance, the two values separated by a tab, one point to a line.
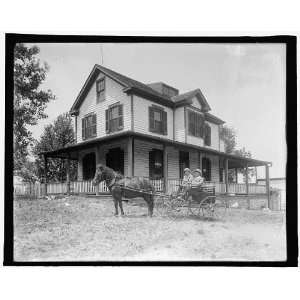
78	228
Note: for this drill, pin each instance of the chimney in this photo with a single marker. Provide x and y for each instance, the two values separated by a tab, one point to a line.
164	89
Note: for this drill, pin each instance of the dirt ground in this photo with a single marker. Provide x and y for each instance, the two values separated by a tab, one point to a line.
84	229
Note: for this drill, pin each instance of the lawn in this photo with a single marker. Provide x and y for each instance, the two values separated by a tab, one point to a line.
79	228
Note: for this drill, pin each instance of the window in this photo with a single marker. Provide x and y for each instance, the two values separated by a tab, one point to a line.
100	89
156	164
157	120
89	126
206	169
114	118
207	135
195	124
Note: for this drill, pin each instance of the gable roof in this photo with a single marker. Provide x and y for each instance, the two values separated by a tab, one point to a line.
186	98
130	86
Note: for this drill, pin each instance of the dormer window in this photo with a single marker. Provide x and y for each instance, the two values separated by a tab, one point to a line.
100	89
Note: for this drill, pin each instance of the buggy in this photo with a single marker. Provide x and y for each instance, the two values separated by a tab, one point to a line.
200	201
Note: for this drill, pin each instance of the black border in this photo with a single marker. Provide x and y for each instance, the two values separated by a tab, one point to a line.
291	133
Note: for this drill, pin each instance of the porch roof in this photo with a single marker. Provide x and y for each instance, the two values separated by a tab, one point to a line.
72	151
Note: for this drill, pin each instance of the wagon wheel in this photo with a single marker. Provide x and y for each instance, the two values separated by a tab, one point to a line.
176	202
193	207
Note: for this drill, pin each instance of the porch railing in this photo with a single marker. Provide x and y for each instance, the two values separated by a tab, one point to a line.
86	187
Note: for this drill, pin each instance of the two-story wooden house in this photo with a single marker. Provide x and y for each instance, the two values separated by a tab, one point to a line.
149	130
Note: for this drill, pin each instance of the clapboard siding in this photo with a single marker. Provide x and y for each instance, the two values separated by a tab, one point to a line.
141	117
141	156
179	125
113	94
214	136
214	166
173	162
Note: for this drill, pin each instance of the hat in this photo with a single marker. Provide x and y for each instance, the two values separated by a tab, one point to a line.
198	170
186	169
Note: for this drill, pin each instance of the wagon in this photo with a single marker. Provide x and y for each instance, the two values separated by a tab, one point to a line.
199	202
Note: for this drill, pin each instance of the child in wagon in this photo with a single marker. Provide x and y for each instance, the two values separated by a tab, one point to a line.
197	179
186	182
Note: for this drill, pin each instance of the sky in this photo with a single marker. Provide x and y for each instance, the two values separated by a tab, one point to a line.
244	84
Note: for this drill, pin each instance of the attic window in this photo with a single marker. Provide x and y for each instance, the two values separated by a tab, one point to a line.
100	89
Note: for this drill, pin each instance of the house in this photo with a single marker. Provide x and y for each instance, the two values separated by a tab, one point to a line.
151	130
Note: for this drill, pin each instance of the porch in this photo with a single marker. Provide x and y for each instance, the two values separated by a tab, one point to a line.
160	160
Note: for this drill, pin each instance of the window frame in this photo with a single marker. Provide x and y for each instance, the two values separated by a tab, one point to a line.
110	126
100	90
90	128
163	123
195	119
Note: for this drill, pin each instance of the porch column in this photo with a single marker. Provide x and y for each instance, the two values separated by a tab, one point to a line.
165	170
246	179
247	186
200	160
130	157
226	175
46	171
268	186
236	175
68	174
97	162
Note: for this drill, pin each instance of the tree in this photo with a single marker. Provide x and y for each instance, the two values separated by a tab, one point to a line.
57	135
29	100
244	153
228	135
28	172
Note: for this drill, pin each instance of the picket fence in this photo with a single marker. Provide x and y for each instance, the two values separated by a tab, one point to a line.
86	187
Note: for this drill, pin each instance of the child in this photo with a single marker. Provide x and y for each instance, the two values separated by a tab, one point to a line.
186	182
197	179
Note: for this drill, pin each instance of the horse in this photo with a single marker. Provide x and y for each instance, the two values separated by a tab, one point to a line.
117	184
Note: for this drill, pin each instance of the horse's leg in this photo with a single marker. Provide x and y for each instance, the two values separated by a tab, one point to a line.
121	205
150	203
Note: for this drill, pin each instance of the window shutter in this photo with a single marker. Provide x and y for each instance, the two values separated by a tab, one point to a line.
94	122
107	120
151	119
201	126
208	135
120	116
190	116
165	122
83	128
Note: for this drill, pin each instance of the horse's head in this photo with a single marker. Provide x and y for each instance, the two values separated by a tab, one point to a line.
99	174
104	173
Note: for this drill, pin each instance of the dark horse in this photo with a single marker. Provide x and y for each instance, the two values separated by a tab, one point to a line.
120	186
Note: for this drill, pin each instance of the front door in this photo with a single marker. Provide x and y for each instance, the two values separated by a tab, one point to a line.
115	159
89	166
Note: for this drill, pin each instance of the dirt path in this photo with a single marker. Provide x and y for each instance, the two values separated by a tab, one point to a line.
84	229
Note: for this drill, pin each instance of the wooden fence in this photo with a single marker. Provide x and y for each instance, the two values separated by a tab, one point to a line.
86	187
